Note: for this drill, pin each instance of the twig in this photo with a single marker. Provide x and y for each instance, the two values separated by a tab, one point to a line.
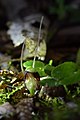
36	49
22	56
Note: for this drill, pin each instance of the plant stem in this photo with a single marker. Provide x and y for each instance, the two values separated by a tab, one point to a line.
22	56
36	49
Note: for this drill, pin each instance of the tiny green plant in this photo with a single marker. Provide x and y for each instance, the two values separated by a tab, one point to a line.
66	73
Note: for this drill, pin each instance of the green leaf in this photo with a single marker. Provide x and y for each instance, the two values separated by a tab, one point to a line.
50	82
48	69
31	84
39	67
64	70
63	74
74	78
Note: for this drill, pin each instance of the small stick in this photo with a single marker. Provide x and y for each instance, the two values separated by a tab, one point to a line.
22	56
36	49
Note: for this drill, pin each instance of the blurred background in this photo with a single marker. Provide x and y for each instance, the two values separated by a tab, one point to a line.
63	39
